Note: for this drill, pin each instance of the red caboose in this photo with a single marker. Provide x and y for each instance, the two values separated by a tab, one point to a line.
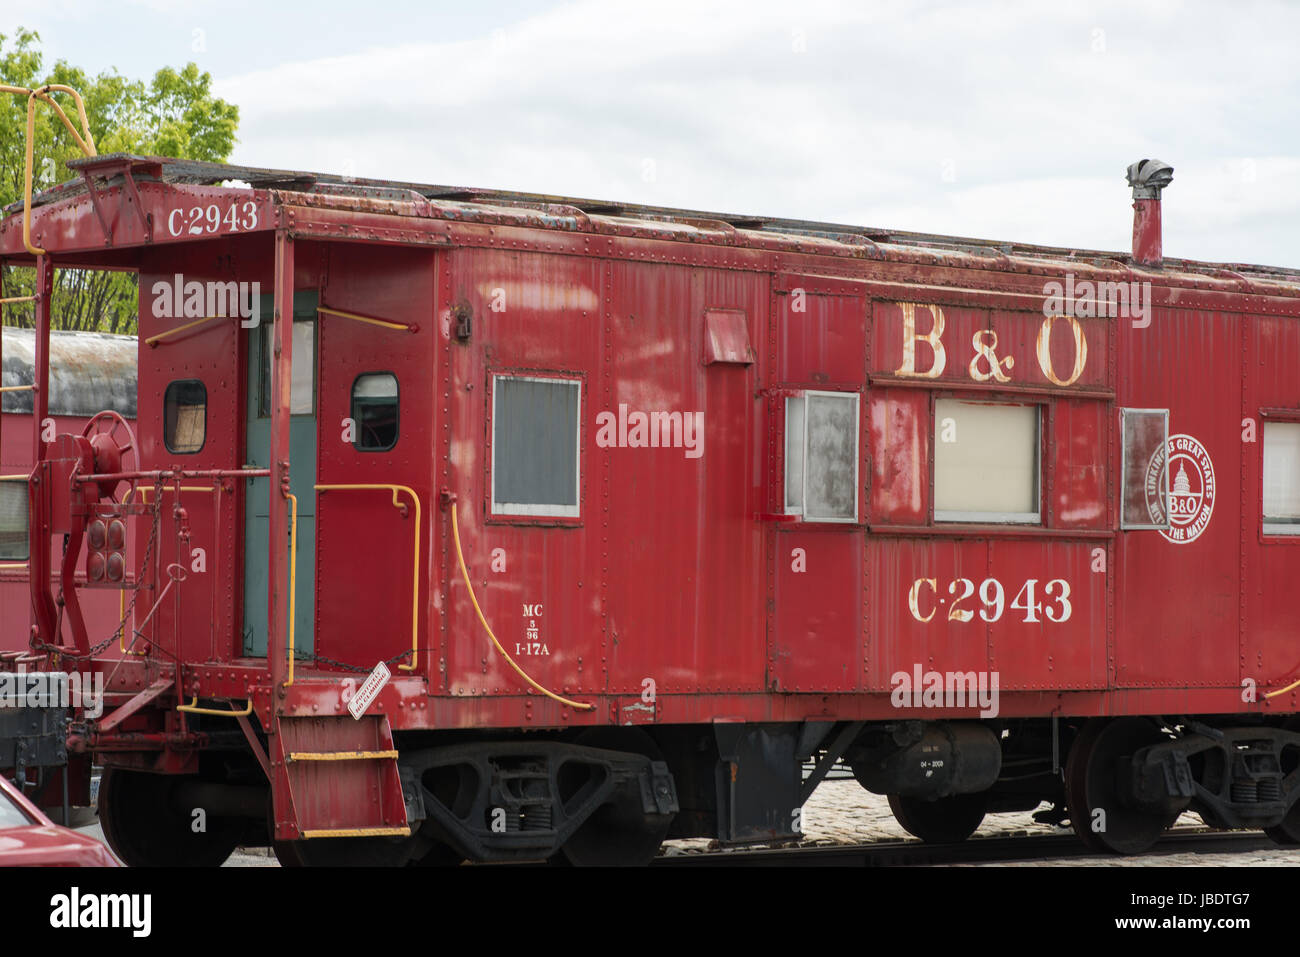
644	509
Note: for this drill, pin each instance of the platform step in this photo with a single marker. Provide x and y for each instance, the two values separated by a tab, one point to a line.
339	777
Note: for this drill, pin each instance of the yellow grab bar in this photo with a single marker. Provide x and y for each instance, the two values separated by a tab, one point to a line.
460	557
1292	685
86	143
192	708
415	565
386	323
154	340
293	578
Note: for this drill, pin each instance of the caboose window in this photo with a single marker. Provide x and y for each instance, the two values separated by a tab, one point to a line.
185	416
1145	487
374	410
985	462
13	521
1282	478
821	456
535	446
302	389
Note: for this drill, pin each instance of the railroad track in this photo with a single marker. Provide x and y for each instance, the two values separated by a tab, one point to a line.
976	850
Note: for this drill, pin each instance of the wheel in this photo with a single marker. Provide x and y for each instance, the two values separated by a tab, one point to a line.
1287	833
1097	815
619	833
111	439
947	820
145	828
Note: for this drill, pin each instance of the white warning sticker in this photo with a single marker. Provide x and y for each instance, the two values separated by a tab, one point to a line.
369	690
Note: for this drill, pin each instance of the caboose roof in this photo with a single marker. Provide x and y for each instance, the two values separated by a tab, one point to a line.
448	200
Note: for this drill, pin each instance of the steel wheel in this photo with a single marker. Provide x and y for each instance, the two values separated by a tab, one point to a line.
619	833
145	829
947	820
1288	832
1091	786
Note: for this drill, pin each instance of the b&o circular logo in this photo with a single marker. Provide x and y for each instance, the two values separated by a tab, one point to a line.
1191	489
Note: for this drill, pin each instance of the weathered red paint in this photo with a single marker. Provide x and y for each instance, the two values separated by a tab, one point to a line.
680	571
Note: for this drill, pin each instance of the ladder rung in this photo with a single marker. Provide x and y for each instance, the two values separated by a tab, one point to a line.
357	832
341	755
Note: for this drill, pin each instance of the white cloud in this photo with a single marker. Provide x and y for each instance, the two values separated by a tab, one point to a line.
1010	122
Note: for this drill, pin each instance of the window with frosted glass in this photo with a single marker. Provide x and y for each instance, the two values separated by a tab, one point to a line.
1144	486
821	456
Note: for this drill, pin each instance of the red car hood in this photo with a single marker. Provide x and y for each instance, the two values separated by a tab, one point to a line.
51	846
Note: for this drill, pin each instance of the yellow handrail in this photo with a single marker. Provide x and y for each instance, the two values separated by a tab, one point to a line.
370	319
86	143
192	708
154	340
1292	685
415	565
460	557
293	579
17	388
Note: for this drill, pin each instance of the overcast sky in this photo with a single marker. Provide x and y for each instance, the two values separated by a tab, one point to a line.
1011	121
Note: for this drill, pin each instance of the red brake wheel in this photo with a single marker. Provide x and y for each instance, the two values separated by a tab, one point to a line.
111	439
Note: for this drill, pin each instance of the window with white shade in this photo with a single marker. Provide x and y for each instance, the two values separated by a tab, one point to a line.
821	456
302	385
1282	478
986	462
535	450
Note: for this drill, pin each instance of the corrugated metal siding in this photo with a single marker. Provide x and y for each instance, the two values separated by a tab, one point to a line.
89	372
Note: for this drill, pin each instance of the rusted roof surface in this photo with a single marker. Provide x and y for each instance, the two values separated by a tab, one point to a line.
476	204
89	372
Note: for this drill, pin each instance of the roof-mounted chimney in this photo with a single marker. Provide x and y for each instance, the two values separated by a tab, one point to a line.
1148	177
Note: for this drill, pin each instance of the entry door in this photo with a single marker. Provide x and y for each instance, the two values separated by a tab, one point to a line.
817	408
302	474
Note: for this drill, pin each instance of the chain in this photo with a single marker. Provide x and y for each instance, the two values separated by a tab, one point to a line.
347	667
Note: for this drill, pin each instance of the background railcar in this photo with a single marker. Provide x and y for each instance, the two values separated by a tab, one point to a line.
643	509
89	372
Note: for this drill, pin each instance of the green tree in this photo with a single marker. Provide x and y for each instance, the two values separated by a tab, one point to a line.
175	114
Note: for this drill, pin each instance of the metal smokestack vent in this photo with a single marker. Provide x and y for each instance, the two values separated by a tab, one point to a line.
1148	177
